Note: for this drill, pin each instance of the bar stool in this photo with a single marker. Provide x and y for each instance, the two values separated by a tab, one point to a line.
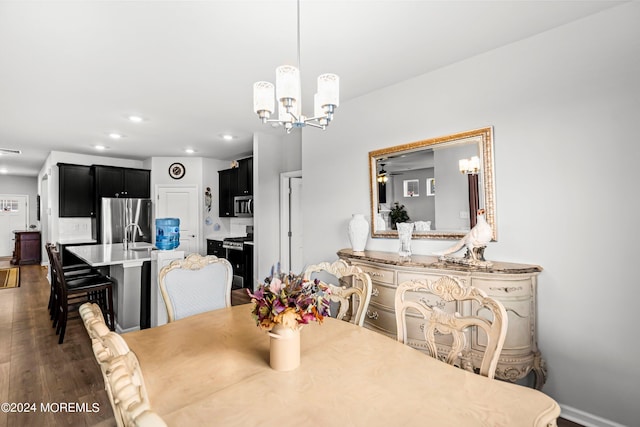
71	293
70	272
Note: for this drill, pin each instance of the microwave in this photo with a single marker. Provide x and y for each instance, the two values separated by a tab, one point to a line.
243	206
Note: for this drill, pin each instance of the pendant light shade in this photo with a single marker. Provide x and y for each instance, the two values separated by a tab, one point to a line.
263	98
329	90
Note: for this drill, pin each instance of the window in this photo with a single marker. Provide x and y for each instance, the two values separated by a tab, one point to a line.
411	188
7	205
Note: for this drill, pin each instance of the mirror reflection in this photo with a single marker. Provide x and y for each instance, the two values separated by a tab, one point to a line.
437	184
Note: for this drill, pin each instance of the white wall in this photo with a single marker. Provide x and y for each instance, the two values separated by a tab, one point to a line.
272	155
210	179
23	185
565	107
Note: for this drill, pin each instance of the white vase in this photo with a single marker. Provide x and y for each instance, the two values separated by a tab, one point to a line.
358	232
284	348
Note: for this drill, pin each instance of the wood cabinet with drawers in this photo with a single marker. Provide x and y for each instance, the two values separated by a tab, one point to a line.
514	285
27	248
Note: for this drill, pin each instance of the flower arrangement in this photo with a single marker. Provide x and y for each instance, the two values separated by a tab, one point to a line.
289	300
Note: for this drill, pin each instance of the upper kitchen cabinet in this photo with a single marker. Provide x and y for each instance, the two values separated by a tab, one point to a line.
113	181
228	184
76	190
245	177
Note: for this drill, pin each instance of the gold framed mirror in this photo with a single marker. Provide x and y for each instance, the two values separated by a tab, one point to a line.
437	184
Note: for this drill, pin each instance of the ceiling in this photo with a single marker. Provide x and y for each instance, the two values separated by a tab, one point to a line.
72	71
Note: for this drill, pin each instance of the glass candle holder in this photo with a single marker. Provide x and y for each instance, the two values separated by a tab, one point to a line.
405	229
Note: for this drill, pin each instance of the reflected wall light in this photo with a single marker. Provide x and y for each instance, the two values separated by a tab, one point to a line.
471	167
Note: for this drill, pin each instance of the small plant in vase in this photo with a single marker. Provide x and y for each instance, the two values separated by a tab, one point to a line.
398	214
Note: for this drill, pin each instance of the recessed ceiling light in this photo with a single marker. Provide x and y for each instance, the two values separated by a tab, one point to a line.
228	137
135	119
4	171
100	147
189	151
115	135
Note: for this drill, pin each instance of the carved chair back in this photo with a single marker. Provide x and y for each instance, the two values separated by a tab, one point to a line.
416	296
340	293
123	380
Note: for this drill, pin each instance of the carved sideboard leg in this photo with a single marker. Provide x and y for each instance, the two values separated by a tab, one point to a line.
540	370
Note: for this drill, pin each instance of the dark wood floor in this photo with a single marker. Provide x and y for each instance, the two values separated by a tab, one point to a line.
34	369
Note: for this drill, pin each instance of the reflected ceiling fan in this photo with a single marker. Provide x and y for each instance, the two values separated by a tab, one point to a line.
382	175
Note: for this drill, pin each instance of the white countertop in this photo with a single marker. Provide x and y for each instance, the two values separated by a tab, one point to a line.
75	240
112	254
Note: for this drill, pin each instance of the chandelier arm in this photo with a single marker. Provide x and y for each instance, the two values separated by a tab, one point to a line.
324	116
315	125
295	119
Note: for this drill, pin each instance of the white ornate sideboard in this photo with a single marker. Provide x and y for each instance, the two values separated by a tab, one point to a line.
514	285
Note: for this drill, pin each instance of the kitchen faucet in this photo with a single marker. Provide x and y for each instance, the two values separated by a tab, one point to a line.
126	241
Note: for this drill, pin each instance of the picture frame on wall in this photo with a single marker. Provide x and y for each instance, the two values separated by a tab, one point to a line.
431	186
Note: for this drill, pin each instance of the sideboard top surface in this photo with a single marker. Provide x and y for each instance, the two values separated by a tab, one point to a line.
426	261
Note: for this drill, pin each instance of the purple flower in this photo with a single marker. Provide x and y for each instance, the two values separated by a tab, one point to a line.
288	298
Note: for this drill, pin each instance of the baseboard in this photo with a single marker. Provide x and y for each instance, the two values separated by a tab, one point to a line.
586	419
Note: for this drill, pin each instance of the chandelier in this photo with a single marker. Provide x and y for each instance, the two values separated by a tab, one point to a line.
288	94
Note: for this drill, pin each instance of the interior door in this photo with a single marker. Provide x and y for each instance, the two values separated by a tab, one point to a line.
14	211
295	224
182	203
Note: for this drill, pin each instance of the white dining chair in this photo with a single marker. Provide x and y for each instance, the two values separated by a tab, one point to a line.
195	285
428	298
121	372
131	404
360	288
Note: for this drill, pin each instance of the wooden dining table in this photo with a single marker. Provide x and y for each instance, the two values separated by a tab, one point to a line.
213	369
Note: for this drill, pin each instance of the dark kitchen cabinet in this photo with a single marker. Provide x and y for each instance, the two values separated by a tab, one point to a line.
137	183
214	247
248	280
228	187
245	177
76	191
111	181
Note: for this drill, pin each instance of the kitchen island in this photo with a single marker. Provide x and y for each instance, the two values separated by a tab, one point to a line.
126	267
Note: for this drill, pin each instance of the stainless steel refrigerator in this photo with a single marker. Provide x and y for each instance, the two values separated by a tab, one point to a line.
117	213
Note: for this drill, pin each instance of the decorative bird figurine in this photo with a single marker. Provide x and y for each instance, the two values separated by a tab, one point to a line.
475	240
